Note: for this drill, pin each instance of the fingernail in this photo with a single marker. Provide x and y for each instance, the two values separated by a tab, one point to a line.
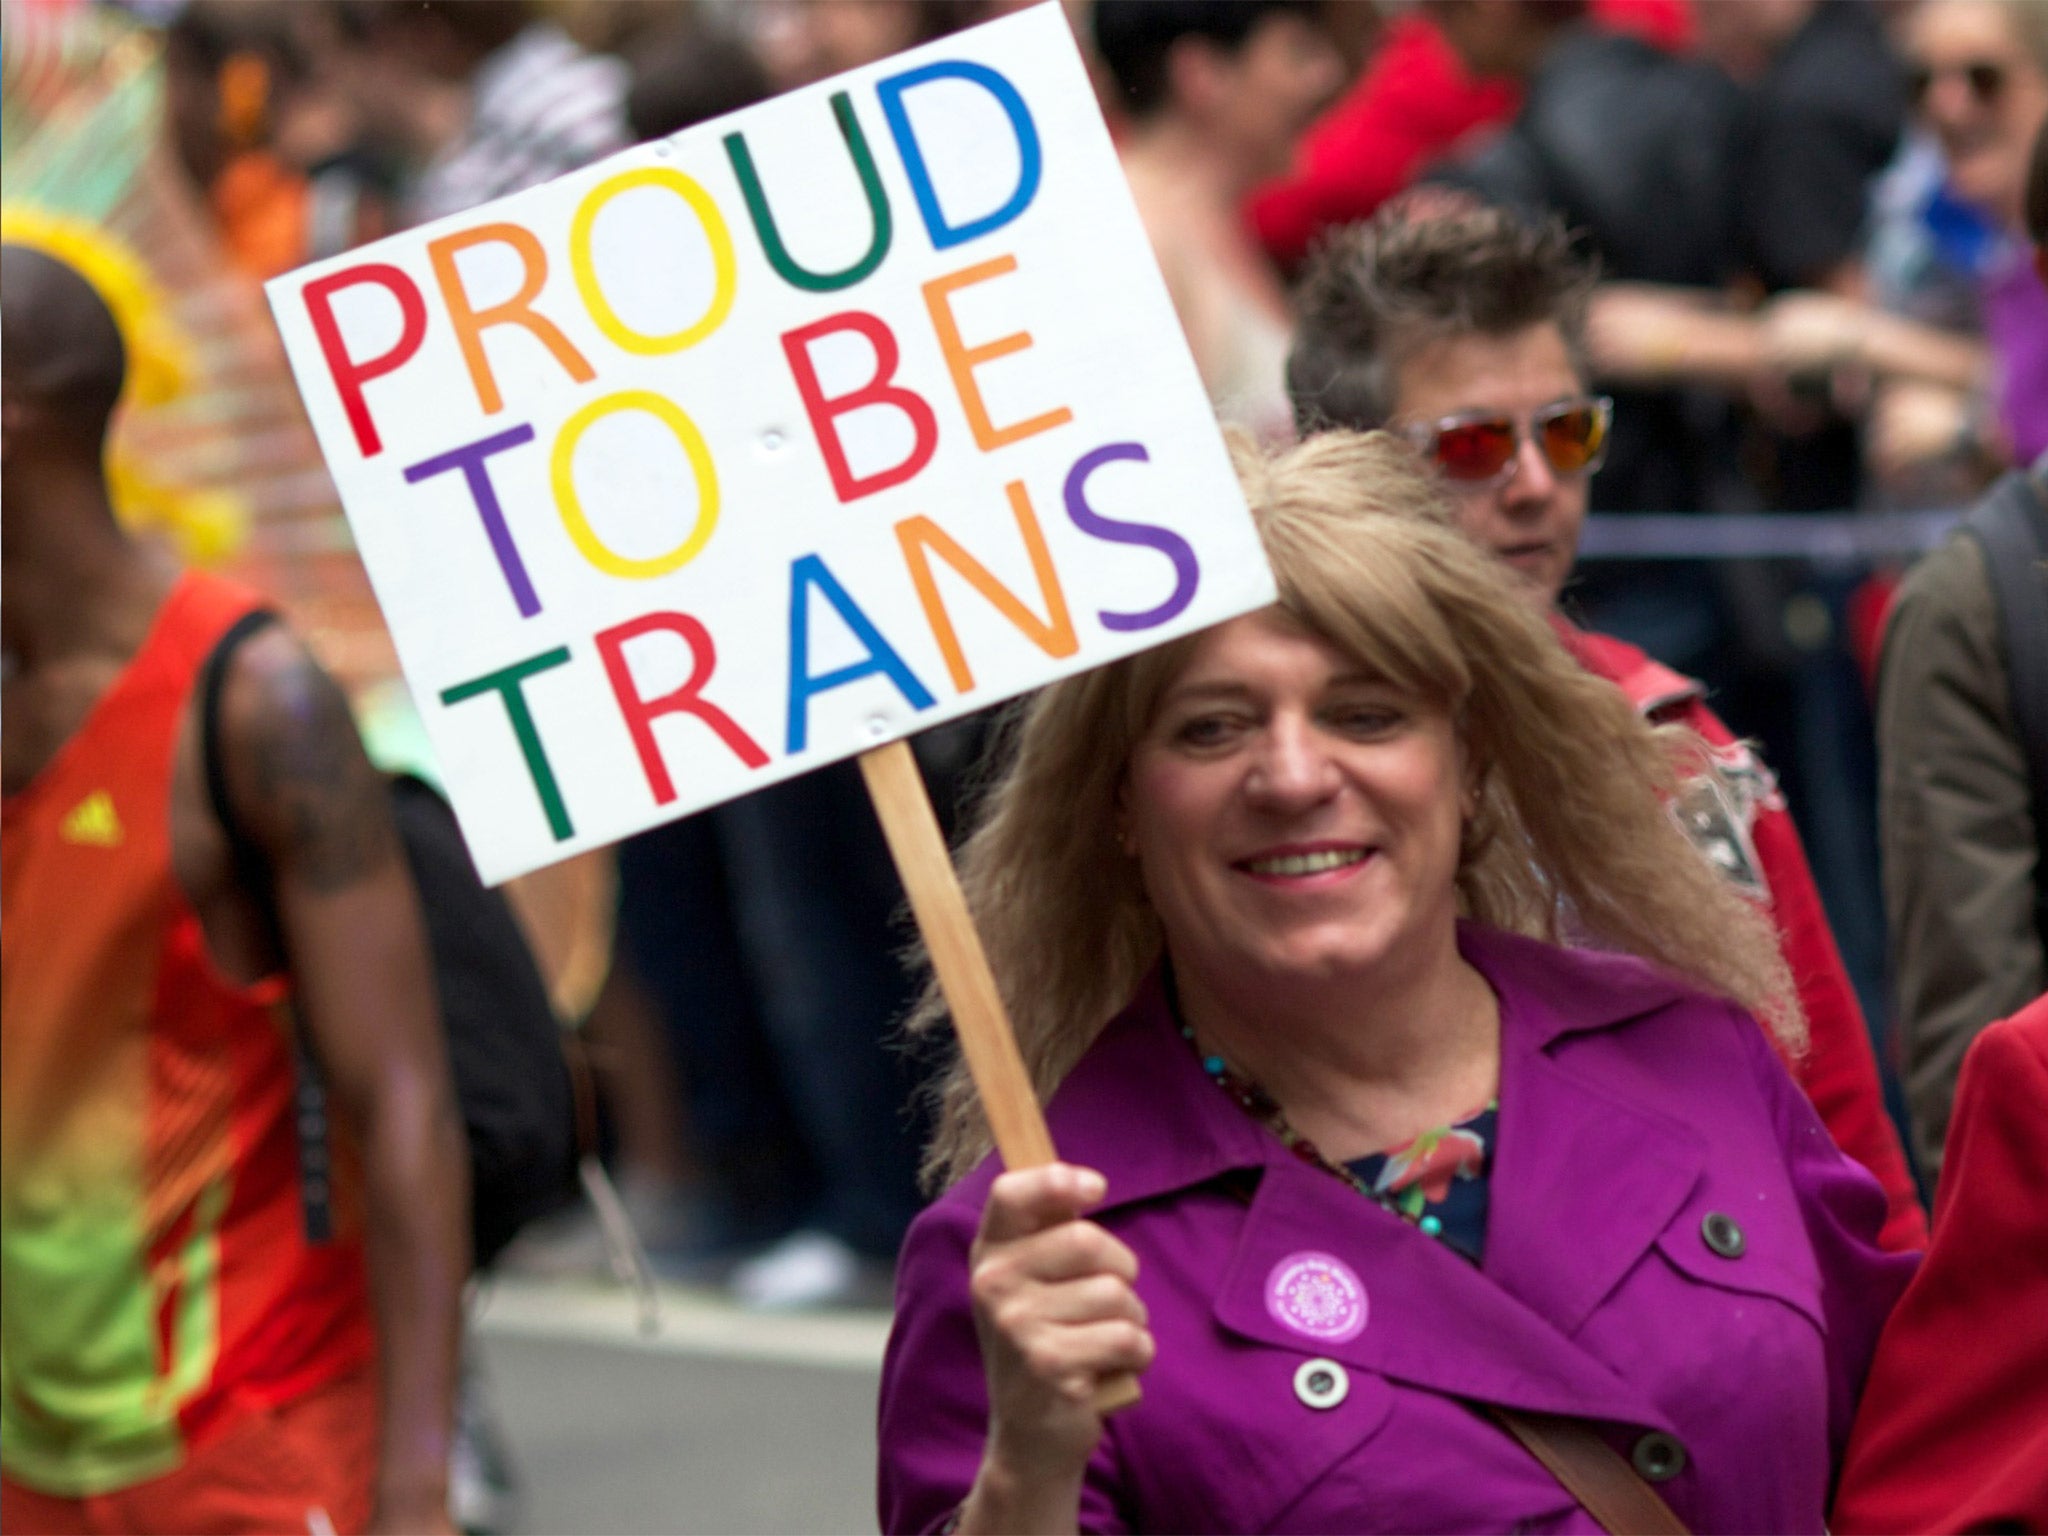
1093	1185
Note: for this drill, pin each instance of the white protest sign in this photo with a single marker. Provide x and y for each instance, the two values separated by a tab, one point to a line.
754	448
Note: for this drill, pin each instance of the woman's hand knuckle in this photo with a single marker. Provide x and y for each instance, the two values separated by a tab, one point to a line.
1066	1244
1013	1316
986	1283
1111	1297
1041	1357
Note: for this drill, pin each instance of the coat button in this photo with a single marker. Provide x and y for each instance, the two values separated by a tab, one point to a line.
1322	1383
1658	1456
1723	1235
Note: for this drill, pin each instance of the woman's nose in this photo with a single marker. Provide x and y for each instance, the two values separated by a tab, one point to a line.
1293	765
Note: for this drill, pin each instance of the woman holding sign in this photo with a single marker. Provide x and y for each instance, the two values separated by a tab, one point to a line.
1411	1218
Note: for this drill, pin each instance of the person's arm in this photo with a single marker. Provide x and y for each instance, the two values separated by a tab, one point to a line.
1056	1314
1813	332
1956	827
356	948
1651	335
1005	1321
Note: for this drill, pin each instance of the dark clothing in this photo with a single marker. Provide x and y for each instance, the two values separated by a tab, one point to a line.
678	931
823	924
1672	174
1675	175
1635	149
1824	121
1960	846
769	930
1445	1173
1632	146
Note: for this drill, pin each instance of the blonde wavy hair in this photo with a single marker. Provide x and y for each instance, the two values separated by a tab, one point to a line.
1572	837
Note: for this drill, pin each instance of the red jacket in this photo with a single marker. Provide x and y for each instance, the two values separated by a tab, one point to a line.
1953	1434
1410	105
1739	820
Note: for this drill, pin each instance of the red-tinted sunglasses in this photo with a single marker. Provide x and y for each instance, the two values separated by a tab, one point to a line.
1479	448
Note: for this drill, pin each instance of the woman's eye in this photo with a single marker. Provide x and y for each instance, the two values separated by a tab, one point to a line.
1206	731
1366	720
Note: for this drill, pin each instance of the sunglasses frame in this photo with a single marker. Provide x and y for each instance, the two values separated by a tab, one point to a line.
1425	436
1986	79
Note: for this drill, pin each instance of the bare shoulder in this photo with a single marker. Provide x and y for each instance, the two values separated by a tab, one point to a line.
298	777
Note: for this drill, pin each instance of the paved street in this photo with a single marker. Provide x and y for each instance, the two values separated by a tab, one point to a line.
721	1421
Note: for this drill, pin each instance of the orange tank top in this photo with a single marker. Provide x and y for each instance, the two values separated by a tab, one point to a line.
155	1278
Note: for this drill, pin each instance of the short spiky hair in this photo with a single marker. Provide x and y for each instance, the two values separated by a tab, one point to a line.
1374	293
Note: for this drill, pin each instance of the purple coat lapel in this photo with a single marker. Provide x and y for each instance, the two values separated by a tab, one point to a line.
1425	1306
1140	1108
1549	1244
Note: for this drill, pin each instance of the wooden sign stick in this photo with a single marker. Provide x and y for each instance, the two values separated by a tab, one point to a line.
926	867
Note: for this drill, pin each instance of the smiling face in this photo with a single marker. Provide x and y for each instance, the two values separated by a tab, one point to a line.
1532	519
1982	93
1294	818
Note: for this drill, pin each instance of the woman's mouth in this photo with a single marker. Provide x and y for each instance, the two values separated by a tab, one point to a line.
1295	865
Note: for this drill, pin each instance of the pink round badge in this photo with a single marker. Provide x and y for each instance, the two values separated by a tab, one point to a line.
1318	1295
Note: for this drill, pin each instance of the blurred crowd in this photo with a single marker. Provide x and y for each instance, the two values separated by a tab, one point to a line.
1813	297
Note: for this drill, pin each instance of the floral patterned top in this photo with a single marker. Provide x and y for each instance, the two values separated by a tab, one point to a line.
1439	1179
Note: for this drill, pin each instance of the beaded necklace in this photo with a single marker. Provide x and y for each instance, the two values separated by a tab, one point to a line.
1253	1099
1261	1106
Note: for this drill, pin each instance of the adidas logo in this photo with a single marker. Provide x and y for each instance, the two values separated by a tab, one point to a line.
93	822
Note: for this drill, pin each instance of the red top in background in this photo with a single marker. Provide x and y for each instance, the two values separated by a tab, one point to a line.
1411	104
1839	1070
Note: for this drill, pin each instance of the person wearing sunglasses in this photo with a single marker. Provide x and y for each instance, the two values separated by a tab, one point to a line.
1948	249
1979	73
1952	1430
1463	330
1519	470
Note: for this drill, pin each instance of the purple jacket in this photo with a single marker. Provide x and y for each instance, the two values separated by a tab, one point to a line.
1675	1248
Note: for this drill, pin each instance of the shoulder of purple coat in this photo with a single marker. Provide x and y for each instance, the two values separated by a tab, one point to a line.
1138	1108
1564	990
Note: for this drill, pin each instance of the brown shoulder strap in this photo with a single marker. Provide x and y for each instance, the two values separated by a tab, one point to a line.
1592	1471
